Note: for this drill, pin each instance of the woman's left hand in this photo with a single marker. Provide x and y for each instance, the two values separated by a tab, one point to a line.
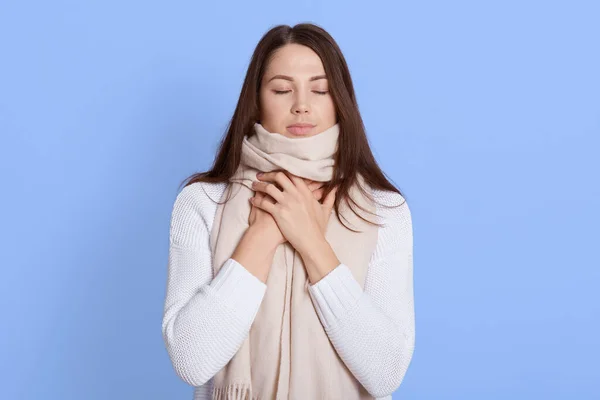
300	216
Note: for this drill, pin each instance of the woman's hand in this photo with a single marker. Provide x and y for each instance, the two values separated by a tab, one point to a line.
264	221
296	209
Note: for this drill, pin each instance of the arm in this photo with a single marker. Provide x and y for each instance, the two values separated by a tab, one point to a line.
205	320
373	330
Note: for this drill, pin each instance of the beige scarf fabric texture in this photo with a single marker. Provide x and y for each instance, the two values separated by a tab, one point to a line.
287	354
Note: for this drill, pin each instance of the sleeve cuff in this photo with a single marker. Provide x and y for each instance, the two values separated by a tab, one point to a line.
239	288
336	295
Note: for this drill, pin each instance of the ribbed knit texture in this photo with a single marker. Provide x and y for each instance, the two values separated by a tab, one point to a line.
207	318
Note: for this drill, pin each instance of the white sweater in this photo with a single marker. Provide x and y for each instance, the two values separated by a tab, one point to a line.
206	318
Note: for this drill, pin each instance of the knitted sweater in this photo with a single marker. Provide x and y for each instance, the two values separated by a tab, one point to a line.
206	318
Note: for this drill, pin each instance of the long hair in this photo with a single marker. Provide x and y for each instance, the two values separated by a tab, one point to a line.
353	155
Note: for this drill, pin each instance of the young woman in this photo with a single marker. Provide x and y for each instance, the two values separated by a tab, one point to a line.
297	283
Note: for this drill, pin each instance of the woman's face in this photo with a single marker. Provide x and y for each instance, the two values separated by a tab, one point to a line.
294	90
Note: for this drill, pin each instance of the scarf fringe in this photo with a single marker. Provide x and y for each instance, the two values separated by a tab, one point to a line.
236	391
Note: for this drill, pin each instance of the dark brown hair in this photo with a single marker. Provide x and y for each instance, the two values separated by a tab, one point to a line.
354	154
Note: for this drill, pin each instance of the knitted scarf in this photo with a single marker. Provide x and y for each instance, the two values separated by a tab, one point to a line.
287	354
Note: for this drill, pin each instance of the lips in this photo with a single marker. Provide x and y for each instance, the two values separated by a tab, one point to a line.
301	129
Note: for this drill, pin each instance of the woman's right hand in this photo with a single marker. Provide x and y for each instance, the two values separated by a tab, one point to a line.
266	223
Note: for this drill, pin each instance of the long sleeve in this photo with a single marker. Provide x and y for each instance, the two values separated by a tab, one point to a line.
373	330
205	319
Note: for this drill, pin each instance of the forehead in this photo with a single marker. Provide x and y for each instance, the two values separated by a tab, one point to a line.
295	60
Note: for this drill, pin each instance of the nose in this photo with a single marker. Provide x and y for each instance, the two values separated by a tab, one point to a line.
300	110
300	106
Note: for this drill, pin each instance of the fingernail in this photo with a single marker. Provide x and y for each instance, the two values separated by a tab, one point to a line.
259	174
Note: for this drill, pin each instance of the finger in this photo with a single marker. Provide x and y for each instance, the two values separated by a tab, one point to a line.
318	193
330	198
256	196
301	186
260	195
264	204
279	177
267	188
315	185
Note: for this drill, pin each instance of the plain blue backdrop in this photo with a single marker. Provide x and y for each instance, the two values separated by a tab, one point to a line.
486	114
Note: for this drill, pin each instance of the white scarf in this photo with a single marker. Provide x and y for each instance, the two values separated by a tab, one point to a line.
287	354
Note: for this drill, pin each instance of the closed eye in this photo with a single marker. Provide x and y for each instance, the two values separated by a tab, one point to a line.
287	91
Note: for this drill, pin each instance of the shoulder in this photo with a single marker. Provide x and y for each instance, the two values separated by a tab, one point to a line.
395	236
200	193
390	204
388	197
194	209
198	196
393	211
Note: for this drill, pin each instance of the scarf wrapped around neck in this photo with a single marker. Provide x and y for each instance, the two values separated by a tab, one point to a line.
287	354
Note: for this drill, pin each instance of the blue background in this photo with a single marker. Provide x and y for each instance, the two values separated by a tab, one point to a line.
485	114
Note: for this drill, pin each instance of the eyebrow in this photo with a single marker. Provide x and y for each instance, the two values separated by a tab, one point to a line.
289	78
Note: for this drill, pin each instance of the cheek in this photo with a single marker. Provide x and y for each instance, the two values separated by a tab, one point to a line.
327	107
273	106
